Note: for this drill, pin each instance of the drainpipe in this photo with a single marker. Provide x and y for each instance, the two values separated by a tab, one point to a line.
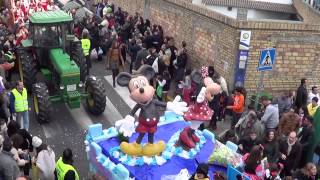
146	9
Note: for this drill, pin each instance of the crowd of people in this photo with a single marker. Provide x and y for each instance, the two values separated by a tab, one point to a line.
280	131
22	9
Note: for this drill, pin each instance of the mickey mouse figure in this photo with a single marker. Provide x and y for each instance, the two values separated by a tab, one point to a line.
143	94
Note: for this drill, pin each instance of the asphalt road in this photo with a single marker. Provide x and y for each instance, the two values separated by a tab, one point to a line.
67	128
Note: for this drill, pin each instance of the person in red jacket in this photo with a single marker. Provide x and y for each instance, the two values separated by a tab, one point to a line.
237	107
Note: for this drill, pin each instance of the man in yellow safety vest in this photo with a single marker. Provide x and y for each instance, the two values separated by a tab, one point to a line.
64	167
86	45
19	104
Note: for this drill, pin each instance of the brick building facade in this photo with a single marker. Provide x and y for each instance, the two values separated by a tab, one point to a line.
213	39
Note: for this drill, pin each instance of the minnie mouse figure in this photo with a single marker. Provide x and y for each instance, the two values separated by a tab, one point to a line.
198	112
143	94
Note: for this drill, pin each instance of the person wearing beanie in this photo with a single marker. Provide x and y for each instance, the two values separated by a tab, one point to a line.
36	142
9	169
201	172
44	159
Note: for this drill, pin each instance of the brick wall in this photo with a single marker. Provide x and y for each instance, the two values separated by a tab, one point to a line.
296	58
130	6
213	39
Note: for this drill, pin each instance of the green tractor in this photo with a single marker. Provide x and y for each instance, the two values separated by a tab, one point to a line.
58	56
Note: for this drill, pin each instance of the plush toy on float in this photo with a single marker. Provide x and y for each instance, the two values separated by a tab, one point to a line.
143	94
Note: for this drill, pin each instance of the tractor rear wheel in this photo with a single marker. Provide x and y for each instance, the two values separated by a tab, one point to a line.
79	58
96	100
41	102
27	68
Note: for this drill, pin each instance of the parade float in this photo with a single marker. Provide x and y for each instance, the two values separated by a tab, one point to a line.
173	147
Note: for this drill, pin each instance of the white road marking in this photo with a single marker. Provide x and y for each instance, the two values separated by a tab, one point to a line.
123	93
47	131
111	112
81	117
51	129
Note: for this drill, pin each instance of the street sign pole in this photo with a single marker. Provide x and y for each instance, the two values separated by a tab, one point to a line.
266	63
260	89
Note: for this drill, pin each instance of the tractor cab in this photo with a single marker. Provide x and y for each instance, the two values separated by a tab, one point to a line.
52	65
46	36
49	29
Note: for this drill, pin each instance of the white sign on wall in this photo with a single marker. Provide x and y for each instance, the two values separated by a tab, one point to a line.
245	37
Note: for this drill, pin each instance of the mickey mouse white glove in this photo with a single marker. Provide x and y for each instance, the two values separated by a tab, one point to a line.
126	126
177	106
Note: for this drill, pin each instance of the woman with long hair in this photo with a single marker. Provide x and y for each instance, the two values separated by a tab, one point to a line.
289	121
44	159
303	113
252	161
114	58
22	157
271	146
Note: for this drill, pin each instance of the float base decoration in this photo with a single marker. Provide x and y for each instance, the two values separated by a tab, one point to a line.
223	156
106	158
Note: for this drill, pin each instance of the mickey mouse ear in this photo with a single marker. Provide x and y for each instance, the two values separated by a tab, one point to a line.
145	70
196	76
123	79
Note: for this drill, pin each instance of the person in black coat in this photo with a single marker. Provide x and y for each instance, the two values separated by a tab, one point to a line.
157	39
173	56
271	147
305	138
302	94
141	56
181	63
247	143
290	153
134	47
13	128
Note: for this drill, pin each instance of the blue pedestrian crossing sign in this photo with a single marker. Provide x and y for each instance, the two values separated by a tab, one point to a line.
267	59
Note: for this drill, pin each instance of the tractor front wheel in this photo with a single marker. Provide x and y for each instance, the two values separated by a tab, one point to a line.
96	100
41	102
27	68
